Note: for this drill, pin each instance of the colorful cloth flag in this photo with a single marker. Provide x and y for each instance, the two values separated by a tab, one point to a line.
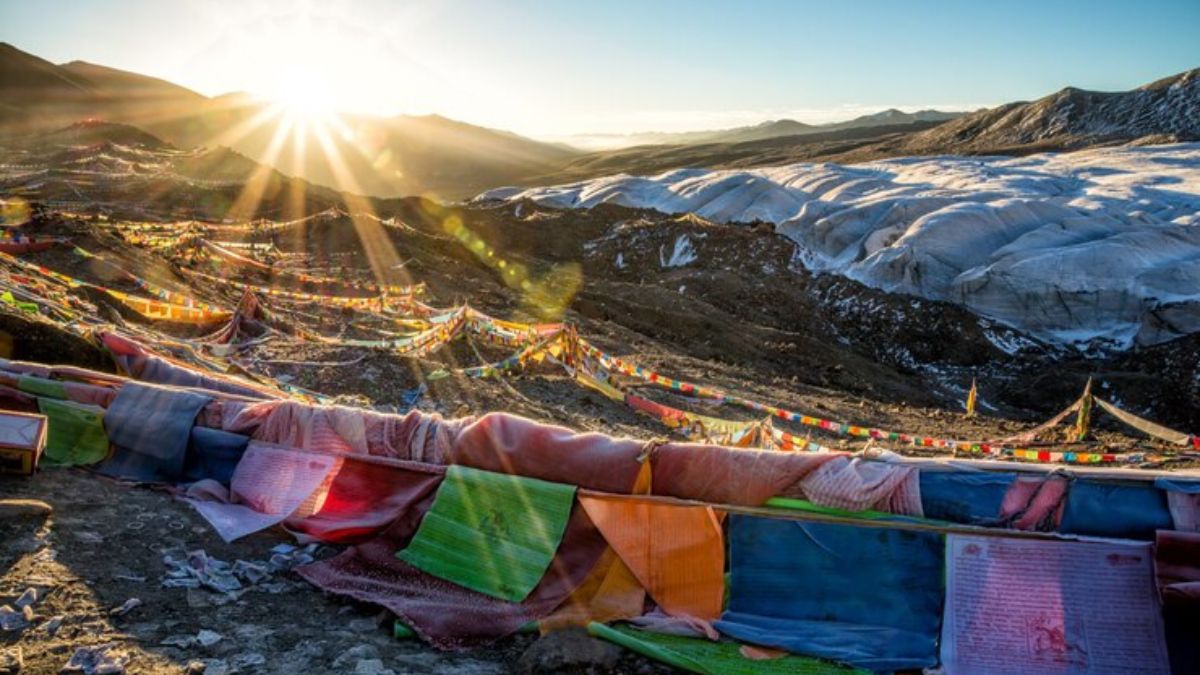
490	532
676	552
699	655
836	591
76	434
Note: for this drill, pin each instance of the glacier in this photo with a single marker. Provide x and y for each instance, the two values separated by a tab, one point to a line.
1095	245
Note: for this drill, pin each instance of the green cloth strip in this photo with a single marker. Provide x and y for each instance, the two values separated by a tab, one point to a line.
809	507
28	307
76	434
401	631
490	532
698	655
42	387
805	505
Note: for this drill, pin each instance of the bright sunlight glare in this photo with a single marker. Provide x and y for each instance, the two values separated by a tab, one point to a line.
303	95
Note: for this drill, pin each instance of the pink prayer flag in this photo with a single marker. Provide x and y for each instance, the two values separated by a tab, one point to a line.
1051	606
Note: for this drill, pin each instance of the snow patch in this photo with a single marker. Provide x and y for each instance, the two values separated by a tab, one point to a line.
1009	342
682	254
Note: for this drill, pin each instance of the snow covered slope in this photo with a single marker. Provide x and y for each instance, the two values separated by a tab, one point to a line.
1070	247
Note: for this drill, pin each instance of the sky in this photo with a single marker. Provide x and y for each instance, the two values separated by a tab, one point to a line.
556	68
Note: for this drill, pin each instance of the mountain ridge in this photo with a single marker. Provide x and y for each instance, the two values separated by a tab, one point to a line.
1072	118
387	157
127	81
768	129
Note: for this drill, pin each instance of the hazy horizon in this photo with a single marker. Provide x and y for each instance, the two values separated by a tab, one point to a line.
620	68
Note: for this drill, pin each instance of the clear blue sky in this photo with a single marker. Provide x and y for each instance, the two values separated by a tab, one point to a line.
558	67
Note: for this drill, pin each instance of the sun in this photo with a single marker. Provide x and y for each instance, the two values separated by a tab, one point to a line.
303	95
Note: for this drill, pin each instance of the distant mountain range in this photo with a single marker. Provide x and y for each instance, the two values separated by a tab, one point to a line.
432	155
1165	111
765	130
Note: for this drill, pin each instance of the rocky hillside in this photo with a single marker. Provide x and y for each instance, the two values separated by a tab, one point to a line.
1168	109
650	159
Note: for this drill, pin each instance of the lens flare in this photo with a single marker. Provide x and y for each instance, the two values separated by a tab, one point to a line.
547	296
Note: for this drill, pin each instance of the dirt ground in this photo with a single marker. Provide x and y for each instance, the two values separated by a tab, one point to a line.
90	546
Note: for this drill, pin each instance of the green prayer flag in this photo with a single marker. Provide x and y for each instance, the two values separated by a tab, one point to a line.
699	655
490	532
76	434
42	387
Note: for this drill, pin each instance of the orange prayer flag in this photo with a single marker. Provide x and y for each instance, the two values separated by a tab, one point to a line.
676	552
609	593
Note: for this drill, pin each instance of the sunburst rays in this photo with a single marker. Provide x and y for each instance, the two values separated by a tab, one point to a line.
247	203
380	251
357	158
295	206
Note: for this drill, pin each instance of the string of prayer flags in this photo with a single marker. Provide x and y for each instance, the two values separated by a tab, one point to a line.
676	419
372	303
165	311
192	312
